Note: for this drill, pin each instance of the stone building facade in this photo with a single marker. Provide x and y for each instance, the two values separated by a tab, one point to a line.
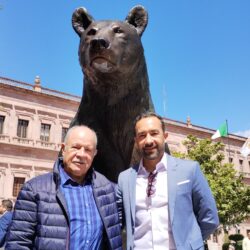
34	120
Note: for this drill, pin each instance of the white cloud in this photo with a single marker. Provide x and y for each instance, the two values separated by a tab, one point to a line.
245	133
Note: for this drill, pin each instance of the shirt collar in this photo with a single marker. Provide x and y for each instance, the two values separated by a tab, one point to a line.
161	166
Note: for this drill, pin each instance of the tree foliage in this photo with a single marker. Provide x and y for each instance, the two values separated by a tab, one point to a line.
231	194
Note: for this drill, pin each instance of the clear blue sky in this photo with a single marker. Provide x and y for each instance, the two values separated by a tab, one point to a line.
197	52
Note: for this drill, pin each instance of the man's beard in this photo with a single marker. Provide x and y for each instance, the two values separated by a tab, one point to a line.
155	153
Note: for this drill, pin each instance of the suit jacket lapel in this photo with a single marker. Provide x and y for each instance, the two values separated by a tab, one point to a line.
171	175
131	188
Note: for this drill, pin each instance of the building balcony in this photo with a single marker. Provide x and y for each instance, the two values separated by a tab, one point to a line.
27	142
46	144
245	174
24	141
4	138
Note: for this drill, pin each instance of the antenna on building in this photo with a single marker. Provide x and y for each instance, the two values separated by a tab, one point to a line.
189	121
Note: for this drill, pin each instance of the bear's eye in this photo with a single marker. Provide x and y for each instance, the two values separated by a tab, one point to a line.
91	32
117	30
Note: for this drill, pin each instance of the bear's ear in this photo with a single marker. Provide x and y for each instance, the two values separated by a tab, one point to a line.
81	20
138	17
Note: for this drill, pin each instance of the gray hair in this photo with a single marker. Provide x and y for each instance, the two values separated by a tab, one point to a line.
80	126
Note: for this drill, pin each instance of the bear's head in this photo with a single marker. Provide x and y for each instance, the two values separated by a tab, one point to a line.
110	49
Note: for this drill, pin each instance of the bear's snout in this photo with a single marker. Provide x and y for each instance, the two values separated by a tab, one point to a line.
99	44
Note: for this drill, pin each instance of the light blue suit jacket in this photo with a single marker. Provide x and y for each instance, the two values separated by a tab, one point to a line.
192	209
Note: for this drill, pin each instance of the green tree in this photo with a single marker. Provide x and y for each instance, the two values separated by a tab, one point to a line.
231	194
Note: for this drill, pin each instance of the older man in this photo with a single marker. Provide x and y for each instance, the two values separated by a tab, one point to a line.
72	208
5	219
166	201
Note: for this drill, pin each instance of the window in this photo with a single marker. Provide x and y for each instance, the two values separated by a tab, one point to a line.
1	123
230	160
45	132
22	128
241	165
18	182
64	132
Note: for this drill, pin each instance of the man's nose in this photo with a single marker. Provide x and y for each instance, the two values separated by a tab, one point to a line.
148	139
80	152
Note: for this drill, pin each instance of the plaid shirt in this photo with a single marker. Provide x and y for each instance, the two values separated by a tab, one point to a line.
86	228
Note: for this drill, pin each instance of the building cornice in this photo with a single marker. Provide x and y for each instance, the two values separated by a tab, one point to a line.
196	128
43	91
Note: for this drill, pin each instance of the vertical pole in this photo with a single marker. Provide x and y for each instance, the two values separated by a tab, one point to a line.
228	141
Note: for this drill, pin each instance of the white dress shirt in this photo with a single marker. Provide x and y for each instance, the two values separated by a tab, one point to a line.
152	226
246	244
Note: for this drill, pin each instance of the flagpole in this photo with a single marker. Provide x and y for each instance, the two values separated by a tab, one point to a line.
228	142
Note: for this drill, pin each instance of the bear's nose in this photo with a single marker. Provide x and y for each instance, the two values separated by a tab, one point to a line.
99	43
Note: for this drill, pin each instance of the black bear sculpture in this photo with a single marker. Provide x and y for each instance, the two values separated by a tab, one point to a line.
116	86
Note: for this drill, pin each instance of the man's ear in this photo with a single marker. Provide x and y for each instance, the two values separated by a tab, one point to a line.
63	148
95	152
165	136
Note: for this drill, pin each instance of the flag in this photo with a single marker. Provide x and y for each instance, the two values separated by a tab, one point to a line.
221	132
245	150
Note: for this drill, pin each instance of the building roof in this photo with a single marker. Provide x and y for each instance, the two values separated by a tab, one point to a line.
38	88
